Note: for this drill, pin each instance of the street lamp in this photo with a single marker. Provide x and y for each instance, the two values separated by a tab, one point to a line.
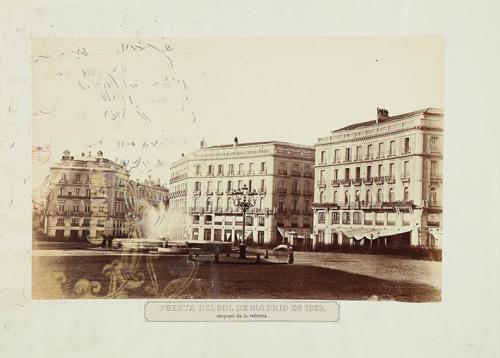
244	199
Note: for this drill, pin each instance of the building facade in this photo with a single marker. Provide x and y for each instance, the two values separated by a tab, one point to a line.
380	182
91	197
281	174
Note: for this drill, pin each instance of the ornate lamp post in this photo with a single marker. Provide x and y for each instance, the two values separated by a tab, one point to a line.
244	199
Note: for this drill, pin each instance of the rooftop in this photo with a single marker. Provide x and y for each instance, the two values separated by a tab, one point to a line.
429	110
260	143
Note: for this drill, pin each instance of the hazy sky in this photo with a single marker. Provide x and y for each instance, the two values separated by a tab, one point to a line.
146	101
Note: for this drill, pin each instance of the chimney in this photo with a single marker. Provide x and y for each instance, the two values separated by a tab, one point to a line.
99	154
235	141
203	144
381	114
83	154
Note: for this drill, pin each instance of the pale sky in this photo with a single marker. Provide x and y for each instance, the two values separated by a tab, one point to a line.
146	101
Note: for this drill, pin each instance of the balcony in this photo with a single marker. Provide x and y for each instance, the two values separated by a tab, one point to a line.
347	160
262	191
282	211
406	151
197	192
295	211
281	190
296	173
282	172
390	179
405	178
209	192
391	154
356	181
308	175
345	182
381	155
358	158
331	205
295	192
307	193
435	150
335	182
177	178
219	192
436	178
321	184
368	181
251	172
369	156
263	172
379	180
71	196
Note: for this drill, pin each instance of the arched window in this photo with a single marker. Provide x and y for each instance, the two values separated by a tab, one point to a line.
406	194
358	196
335	198
321	197
229	204
217	205
346	198
433	197
196	204
379	196
209	203
391	195
368	197
261	201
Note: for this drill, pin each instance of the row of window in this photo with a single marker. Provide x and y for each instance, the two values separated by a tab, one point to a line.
76	207
224	235
74	222
360	218
73	192
209	204
347	175
228	220
366	152
229	187
250	168
367	198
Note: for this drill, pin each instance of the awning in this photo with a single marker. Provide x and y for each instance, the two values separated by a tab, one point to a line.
296	232
372	233
249	235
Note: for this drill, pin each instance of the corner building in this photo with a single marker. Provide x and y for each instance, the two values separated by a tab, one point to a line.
281	173
380	182
90	196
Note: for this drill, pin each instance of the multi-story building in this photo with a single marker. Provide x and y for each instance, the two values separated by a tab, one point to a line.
381	181
89	197
281	174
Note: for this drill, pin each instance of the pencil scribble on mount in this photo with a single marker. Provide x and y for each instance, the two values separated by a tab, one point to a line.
220	186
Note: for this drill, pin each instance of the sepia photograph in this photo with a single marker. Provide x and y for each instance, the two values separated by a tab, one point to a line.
238	168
